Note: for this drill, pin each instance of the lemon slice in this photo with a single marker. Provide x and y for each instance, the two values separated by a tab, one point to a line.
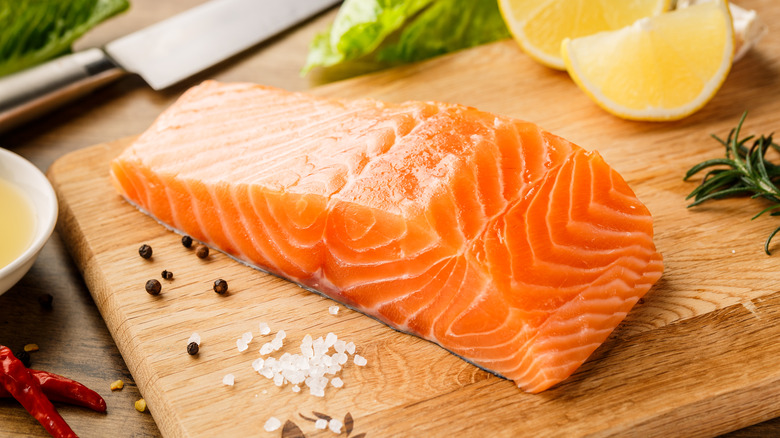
539	26
660	68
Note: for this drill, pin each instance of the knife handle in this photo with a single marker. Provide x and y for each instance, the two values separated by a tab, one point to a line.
38	90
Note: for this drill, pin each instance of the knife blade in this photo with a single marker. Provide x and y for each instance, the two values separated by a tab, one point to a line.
163	54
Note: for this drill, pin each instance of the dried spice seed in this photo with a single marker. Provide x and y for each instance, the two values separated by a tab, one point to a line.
117	385
24	357
202	252
168	275
153	287
46	300
140	405
192	348
186	241
291	430
31	347
220	286
145	251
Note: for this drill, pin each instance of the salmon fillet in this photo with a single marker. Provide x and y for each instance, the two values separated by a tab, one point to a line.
506	245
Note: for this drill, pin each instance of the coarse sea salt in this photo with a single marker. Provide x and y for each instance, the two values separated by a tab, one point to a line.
257	364
321	423
360	360
241	344
333	310
272	424
337	382
335	425
247	337
229	380
194	338
264	328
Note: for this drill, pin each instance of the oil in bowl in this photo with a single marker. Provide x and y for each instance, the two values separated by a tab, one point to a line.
17	223
28	213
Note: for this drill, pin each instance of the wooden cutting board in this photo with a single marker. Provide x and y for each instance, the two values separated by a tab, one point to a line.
698	356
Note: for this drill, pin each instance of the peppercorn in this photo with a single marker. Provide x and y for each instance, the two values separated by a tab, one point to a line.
145	251
24	357
186	241
202	252
153	287
46	300
220	286
168	275
193	348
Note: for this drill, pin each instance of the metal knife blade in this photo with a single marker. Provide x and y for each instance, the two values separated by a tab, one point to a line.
162	54
174	49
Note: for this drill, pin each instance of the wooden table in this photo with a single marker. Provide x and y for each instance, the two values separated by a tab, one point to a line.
73	338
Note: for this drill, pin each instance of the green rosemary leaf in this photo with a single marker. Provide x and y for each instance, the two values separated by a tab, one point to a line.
769	239
767	210
703	165
745	171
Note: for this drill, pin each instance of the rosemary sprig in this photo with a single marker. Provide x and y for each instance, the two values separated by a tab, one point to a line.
744	171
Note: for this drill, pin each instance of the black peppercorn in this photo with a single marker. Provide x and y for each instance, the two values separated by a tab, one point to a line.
202	252
24	357
145	251
186	241
46	300
193	348
220	286
166	274
153	287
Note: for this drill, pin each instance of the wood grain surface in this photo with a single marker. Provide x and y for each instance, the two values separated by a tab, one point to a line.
687	306
697	357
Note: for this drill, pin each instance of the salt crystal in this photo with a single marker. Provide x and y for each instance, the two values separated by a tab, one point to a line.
276	344
317	392
241	344
330	339
360	360
335	425
267	373
321	423
333	310
281	334
337	382
340	346
267	348
228	380
247	337
340	358
272	424
351	347
194	338
264	328
296	388
278	380
257	365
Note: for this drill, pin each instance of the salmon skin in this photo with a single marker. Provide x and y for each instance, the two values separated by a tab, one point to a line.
511	247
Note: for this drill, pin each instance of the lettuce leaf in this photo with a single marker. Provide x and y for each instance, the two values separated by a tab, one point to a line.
34	31
391	32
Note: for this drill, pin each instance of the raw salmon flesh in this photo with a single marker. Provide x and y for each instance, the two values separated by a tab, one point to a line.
509	246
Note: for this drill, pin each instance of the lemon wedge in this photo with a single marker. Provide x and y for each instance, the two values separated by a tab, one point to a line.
660	68
539	26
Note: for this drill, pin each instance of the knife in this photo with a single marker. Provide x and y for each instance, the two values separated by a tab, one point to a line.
163	54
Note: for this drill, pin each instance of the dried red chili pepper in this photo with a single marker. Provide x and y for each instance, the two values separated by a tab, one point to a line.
62	389
23	384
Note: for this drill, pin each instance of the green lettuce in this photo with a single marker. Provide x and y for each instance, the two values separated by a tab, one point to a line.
383	33
34	31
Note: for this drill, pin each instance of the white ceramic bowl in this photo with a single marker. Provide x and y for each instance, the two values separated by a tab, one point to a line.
38	190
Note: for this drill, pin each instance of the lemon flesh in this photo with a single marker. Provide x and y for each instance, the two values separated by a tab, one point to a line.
660	68
539	26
